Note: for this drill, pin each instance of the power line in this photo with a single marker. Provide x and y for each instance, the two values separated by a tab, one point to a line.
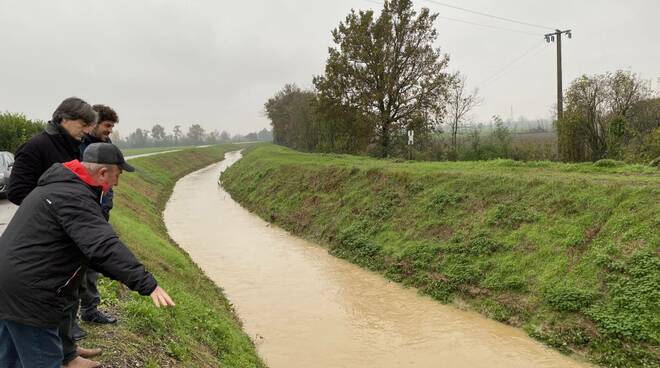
489	15
503	71
488	26
505	68
471	23
500	72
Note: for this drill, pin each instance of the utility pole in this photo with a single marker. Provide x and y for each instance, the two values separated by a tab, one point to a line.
551	37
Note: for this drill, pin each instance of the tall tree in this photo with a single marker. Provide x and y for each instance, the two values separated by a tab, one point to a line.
178	134
139	138
213	137
196	134
224	137
293	117
265	135
460	103
386	67
502	135
158	133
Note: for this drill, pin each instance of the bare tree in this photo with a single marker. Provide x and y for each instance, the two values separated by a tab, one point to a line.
625	90
459	105
178	134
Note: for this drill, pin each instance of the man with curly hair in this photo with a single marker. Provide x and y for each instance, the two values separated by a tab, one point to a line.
89	294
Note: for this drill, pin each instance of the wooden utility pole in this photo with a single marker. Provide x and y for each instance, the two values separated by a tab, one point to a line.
551	37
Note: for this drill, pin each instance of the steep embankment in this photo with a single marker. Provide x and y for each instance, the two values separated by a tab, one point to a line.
202	330
570	253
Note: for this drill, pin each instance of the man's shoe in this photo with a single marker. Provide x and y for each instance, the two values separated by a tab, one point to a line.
88	353
98	317
81	362
77	332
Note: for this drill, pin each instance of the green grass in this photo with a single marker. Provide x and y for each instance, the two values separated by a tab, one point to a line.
202	330
568	252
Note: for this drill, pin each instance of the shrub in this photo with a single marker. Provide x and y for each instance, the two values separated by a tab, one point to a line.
16	129
566	298
440	199
355	244
511	216
633	311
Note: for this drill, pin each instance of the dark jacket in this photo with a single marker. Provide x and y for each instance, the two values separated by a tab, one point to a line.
55	234
106	201
89	139
36	155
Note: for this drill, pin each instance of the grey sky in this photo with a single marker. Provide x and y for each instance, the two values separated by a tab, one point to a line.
216	62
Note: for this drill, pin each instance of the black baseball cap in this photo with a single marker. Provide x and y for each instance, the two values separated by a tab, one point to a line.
106	153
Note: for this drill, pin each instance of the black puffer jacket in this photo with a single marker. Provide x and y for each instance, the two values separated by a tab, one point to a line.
56	233
36	155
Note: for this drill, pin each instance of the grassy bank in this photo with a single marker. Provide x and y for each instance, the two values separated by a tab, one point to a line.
202	330
142	151
569	252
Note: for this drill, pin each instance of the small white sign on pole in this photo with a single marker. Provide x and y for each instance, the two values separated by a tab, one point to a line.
411	136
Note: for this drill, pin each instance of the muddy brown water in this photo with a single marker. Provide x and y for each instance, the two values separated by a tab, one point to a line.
305	308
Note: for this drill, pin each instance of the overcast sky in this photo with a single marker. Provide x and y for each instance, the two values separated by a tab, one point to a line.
216	62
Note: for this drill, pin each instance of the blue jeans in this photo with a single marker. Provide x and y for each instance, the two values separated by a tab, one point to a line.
23	346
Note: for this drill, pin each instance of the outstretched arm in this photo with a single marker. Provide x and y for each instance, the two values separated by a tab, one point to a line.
96	239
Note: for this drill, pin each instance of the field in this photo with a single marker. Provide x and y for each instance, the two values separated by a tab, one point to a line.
531	146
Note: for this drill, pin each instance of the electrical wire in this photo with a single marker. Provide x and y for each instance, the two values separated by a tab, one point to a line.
472	23
500	72
489	15
489	26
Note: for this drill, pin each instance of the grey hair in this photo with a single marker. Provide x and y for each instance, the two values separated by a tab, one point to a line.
74	108
94	167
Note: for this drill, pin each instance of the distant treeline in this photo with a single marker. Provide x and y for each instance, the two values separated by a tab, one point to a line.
300	122
15	129
195	135
384	81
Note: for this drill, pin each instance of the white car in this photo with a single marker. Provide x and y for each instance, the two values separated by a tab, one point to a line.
6	162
